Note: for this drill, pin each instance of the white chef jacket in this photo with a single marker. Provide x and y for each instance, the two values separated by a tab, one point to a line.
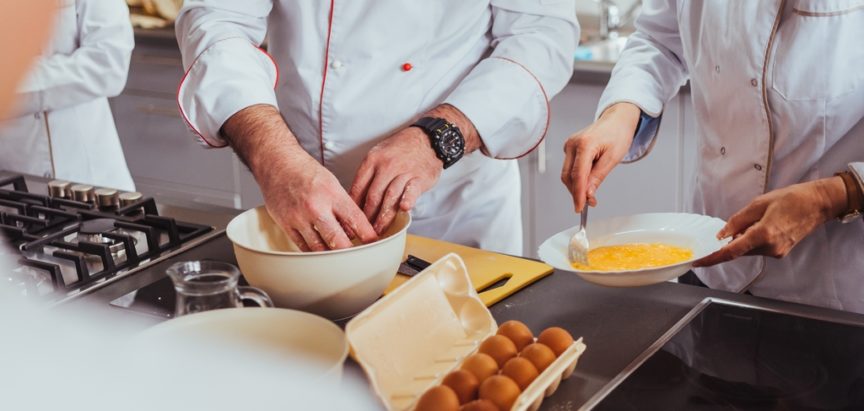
347	74
63	126
778	95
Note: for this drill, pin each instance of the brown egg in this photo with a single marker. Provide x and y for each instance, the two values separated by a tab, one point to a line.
498	347
463	383
521	371
438	398
517	332
556	338
481	365
480	405
500	390
539	354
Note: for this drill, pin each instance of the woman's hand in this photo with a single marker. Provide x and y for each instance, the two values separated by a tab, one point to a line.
593	152
775	222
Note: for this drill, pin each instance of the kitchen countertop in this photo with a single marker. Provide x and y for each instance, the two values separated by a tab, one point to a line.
617	324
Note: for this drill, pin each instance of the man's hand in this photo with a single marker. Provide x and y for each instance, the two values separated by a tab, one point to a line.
592	153
774	222
399	169
302	196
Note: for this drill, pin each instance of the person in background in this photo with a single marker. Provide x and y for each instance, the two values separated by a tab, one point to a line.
366	105
61	125
778	95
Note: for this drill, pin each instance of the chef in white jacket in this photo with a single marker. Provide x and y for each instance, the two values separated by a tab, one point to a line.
331	107
778	93
62	125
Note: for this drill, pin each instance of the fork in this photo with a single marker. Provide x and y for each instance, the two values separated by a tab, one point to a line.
577	250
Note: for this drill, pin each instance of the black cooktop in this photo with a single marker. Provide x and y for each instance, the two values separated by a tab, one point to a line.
727	356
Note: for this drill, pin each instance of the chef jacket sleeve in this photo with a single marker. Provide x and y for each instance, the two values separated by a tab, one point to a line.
97	68
506	95
226	70
650	69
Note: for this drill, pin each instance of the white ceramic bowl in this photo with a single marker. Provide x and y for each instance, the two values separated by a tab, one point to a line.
335	284
291	338
697	232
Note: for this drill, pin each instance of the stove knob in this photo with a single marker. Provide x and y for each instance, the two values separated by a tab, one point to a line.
82	193
106	197
59	189
130	198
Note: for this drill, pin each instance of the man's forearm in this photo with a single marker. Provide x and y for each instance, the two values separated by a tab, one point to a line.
453	115
262	140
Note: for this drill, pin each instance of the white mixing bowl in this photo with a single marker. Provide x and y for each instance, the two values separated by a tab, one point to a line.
336	284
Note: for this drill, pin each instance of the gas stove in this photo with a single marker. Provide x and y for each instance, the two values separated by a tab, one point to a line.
73	239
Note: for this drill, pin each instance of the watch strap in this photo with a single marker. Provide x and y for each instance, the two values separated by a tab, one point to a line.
854	196
428	123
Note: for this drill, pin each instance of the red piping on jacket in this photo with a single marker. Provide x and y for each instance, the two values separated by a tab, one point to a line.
183	80
324	81
548	109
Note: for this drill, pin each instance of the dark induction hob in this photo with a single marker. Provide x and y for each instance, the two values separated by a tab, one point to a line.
728	356
158	299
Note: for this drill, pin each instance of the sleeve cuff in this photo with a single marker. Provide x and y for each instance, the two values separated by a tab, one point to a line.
507	105
629	88
643	141
227	77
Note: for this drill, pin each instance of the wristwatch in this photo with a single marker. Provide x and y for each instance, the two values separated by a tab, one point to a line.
853	195
446	139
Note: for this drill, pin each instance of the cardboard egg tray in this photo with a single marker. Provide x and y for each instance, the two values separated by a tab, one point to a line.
411	338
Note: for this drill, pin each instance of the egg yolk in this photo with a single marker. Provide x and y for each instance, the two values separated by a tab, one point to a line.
633	257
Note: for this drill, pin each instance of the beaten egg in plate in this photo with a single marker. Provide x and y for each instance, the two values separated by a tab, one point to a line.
634	256
637	250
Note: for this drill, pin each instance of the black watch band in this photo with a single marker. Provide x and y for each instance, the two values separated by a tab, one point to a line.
445	137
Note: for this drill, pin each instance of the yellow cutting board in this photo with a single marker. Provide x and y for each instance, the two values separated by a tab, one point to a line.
484	267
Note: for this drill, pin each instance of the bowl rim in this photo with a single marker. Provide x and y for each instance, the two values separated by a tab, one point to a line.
312	253
645	270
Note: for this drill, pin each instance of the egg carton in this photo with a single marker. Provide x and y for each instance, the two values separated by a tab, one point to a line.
411	338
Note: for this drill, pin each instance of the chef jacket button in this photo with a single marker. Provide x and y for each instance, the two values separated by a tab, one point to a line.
717	68
757	167
37	115
336	65
722	151
754	82
47	174
407	67
329	145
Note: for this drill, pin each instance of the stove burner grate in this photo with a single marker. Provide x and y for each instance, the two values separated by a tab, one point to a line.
73	245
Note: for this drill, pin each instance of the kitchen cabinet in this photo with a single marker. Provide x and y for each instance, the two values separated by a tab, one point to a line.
164	158
660	182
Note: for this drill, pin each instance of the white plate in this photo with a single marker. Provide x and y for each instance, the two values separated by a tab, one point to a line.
284	338
694	231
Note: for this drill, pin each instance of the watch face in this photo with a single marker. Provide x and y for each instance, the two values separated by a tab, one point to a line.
451	143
